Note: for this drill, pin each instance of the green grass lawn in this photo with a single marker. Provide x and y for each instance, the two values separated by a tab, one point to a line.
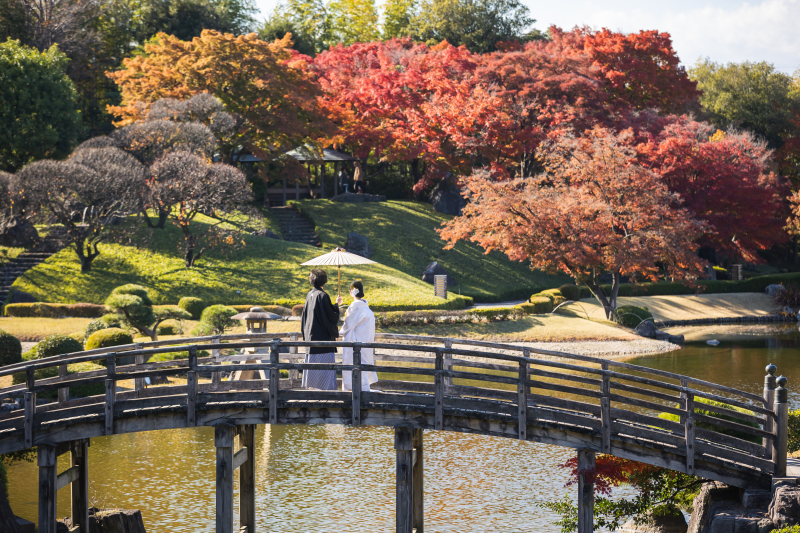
403	236
265	271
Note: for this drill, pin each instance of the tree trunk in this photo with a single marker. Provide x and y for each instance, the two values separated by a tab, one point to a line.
609	302
163	215
86	257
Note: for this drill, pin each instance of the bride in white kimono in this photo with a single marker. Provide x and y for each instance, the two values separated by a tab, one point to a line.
359	326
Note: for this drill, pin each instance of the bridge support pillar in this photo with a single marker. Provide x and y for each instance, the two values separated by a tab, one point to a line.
409	513
586	464
223	440
247	479
46	459
80	486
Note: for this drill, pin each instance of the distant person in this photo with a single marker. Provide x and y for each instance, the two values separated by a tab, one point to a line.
343	181
359	186
359	326
319	323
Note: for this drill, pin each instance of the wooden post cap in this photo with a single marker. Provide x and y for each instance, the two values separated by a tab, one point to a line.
781	394
769	379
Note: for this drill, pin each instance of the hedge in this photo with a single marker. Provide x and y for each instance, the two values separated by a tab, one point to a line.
794	431
193	306
46	310
10	349
277	309
55	345
540	305
105	338
554	295
297	310
631	316
707	286
570	292
458	316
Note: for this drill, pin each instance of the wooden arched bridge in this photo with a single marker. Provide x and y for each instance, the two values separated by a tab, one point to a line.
426	383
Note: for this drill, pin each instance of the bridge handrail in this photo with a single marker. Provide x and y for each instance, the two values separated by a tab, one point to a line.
125	351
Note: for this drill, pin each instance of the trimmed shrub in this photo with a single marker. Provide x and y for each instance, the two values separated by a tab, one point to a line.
170	327
105	338
10	349
492	314
57	345
794	431
47	310
631	316
540	305
570	292
193	306
215	320
297	310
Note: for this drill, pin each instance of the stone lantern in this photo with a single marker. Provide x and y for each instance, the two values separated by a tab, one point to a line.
256	319
255	322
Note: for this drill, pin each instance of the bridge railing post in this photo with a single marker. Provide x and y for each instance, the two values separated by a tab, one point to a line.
216	377
63	394
522	401
769	402
355	382
448	365
605	409
293	373
274	381
138	383
688	425
782	430
111	391
586	467
438	395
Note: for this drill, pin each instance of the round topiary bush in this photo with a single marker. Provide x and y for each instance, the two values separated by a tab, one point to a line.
94	326
571	292
193	306
10	349
631	316
297	310
57	345
216	319
170	327
105	338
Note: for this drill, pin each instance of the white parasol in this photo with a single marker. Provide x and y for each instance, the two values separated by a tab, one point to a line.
339	257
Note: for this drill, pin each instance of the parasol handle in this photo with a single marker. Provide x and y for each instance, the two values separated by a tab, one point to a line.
340	279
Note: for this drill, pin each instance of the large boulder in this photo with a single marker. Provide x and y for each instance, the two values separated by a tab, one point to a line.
710	493
774	289
358	244
112	521
447	199
19	234
435	269
647	329
784	509
669	523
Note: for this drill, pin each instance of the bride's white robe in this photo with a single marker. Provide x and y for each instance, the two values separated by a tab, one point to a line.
359	326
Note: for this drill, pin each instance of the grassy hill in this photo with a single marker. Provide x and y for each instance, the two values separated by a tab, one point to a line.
265	271
403	236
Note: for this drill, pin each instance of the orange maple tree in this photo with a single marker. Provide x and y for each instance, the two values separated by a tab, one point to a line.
594	209
268	84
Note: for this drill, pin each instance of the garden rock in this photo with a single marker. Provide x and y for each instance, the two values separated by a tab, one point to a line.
435	269
672	523
774	289
358	244
447	199
785	506
266	233
647	329
19	234
710	493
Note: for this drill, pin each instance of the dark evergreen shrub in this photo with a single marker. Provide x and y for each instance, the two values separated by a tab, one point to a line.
571	292
10	349
193	306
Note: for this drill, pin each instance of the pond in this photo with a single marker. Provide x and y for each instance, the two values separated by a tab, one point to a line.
340	478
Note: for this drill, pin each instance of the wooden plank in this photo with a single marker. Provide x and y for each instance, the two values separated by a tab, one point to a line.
522	402
689	433
111	389
586	464
355	382
223	441
417	483
565	377
67	476
247	479
756	432
648	393
46	459
751	448
30	410
647	405
630	416
191	399
605	410
438	401
327	395
653	435
404	513
239	458
710	449
80	487
577	391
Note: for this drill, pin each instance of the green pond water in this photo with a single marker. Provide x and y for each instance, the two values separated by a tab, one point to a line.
339	478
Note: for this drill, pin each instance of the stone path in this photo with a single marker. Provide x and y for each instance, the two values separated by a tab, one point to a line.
294	226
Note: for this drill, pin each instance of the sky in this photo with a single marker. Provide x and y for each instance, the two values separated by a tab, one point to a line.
722	30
